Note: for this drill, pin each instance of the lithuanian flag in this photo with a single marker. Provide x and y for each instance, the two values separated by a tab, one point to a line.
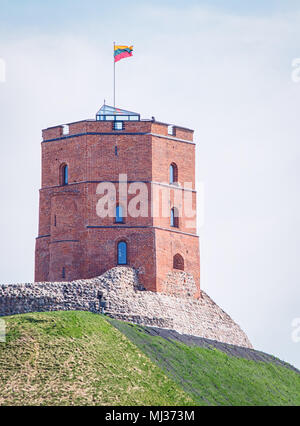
121	52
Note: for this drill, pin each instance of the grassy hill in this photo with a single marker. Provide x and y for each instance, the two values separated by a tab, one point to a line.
80	358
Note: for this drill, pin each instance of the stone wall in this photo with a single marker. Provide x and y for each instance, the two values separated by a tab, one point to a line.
180	284
125	299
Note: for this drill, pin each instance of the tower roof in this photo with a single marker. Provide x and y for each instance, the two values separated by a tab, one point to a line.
109	113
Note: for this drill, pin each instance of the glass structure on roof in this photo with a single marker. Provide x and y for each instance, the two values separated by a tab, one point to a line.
108	113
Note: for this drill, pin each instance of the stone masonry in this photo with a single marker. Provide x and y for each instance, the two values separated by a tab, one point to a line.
124	298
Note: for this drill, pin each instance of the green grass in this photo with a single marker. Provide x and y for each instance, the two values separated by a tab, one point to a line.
80	358
211	377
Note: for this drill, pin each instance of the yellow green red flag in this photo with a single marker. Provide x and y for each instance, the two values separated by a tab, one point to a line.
121	52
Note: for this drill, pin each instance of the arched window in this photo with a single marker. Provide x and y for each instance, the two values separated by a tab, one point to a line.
64	174
178	262
174	218
173	173
122	253
119	214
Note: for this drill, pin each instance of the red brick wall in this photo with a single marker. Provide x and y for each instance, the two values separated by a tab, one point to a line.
134	157
42	259
64	151
168	244
67	255
101	252
165	152
85	245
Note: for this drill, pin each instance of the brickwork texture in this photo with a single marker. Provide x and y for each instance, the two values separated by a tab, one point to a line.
74	242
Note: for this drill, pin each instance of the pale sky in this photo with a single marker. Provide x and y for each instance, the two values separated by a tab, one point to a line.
220	67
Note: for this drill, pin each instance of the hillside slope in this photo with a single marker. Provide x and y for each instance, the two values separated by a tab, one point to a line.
210	376
80	358
77	358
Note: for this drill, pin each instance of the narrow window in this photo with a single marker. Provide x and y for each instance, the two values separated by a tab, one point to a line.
174	218
119	214
64	174
178	262
116	151
118	125
171	130
122	253
173	173
66	130
54	220
63	274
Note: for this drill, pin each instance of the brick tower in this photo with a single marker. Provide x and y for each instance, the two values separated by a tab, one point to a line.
118	148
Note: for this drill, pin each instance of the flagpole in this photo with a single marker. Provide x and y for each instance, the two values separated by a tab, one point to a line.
114	76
